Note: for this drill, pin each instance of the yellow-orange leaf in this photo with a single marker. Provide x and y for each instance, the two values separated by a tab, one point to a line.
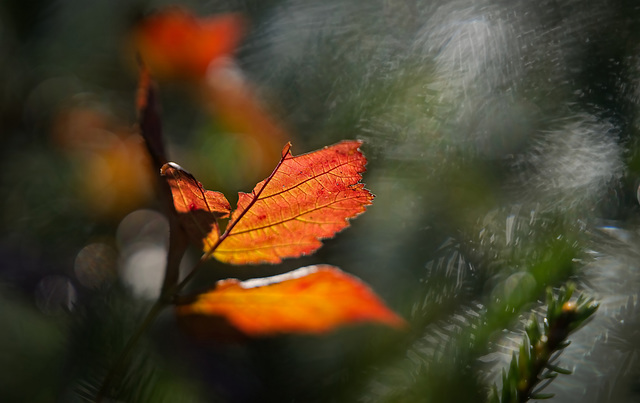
198	209
307	198
311	299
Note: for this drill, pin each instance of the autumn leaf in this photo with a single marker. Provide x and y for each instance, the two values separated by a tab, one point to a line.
175	44
199	209
239	109
305	199
312	299
112	165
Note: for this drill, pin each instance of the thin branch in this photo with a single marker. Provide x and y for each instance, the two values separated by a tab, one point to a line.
151	130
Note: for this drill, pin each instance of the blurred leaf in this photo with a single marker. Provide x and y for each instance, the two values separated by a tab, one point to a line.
174	44
113	167
311	299
239	109
149	117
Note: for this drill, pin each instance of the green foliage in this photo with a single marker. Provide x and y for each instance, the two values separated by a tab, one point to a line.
533	368
32	347
98	333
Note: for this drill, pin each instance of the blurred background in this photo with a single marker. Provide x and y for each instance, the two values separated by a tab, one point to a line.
502	140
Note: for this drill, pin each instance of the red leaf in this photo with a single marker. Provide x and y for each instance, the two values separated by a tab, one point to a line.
174	44
311	299
307	198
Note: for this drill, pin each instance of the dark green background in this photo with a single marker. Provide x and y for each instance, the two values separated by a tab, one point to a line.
502	143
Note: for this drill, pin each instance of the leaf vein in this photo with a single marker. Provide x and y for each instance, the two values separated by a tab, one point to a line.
273	224
315	176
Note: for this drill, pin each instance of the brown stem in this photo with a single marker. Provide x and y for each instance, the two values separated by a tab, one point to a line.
178	243
152	133
150	127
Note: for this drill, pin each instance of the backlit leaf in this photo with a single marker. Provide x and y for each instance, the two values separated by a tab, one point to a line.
197	208
312	299
174	44
306	198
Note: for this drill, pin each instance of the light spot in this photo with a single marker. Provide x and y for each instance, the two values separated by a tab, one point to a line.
95	265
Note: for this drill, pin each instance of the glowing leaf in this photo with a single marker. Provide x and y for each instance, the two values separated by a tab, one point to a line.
174	44
197	208
311	299
306	198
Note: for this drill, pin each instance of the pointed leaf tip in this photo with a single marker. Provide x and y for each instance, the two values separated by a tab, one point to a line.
312	299
286	149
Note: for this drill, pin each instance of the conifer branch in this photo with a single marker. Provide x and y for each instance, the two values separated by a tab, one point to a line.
533	368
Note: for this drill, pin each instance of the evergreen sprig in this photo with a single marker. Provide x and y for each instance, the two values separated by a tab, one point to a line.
533	368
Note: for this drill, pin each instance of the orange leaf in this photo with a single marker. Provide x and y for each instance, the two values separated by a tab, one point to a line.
198	209
239	109
311	299
307	198
174	44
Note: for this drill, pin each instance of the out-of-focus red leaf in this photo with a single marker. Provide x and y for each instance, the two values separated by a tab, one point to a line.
112	165
197	208
311	299
239	109
306	198
174	44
